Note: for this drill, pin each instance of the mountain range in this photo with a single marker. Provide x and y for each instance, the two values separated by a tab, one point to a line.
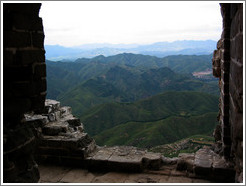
161	119
123	78
159	49
135	99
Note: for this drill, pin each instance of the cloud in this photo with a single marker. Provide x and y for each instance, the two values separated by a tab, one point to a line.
73	23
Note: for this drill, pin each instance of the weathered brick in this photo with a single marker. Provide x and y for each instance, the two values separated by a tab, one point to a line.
38	103
27	22
17	73
225	76
8	58
40	70
216	71
239	48
23	89
23	8
235	27
241	18
224	121
237	76
10	38
226	151
226	45
226	131
237	121
225	88
38	40
239	150
226	57
27	57
225	65
40	86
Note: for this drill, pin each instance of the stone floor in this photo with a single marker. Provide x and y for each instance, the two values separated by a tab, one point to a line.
167	174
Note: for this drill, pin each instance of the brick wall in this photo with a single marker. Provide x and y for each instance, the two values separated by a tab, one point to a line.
228	66
24	87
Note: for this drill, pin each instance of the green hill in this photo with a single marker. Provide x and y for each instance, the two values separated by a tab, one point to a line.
151	134
73	73
160	107
121	84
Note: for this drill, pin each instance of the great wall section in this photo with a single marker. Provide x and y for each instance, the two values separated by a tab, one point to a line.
37	131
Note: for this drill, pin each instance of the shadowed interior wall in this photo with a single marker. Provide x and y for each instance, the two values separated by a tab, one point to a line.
228	66
24	87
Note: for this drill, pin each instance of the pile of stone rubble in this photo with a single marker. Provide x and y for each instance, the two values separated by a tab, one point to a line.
63	141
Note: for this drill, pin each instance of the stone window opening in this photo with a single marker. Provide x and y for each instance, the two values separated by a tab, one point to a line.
24	90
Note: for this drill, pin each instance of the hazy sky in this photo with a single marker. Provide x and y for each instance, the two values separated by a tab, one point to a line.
140	22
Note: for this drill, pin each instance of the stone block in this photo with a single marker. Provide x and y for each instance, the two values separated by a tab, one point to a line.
38	40
216	71
36	120
10	38
65	111
226	131
219	44
27	57
16	107
27	22
52	151
8	58
226	46
224	97
203	162
226	140
54	129
51	141
17	74
179	180
111	177
222	172
152	161
226	151
73	122
40	70
225	66
169	161
126	159
239	48
78	176
99	161
225	76
23	8
237	76
52	105
23	89
185	161
40	85
237	122
57	115
235	28
38	103
52	117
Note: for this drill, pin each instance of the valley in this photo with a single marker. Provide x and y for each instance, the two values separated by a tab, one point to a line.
138	100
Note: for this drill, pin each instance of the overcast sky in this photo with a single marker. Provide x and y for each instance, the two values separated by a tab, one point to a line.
139	22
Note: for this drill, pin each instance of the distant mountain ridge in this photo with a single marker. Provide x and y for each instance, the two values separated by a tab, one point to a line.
159	49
